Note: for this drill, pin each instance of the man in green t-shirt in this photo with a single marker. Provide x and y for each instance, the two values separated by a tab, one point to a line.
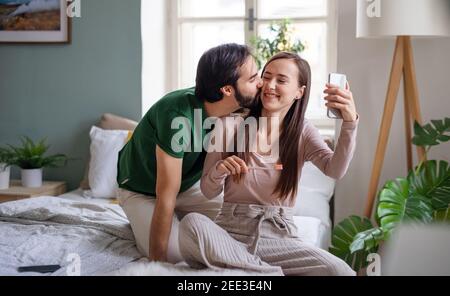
160	167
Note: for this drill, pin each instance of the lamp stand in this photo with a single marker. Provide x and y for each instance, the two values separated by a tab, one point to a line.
402	65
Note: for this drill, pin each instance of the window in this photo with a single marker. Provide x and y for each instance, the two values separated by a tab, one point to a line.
197	25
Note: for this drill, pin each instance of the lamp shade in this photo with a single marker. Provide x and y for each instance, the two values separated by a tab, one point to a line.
382	18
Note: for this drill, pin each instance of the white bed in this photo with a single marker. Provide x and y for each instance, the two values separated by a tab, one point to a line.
45	230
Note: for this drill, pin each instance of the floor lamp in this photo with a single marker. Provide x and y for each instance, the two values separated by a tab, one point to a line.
400	19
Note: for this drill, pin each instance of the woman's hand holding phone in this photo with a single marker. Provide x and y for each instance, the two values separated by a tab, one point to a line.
232	165
341	99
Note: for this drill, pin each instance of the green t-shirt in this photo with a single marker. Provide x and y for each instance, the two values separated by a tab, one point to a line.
172	123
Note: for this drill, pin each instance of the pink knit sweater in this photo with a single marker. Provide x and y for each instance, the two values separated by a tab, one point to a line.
257	186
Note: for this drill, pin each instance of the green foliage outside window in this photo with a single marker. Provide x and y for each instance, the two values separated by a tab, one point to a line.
264	48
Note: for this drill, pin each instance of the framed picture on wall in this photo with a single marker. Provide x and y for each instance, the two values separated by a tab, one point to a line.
34	21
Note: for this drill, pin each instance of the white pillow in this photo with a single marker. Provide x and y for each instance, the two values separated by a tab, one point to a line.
314	193
104	149
312	177
308	229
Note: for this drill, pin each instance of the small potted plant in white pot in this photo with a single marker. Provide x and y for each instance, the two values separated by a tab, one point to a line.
30	158
6	160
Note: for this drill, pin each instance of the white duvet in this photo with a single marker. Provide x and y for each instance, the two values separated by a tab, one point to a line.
49	230
55	230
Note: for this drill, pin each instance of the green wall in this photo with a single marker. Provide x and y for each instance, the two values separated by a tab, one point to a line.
60	91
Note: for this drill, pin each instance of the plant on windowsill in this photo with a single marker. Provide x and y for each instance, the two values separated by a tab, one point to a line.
265	48
30	158
422	197
6	160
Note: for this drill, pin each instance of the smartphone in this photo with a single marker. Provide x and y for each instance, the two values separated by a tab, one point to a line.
39	268
339	80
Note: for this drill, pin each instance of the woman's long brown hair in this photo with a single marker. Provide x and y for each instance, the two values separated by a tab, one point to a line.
291	129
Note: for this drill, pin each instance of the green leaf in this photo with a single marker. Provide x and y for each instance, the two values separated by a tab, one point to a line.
367	240
344	235
431	134
55	161
432	182
281	38
31	155
397	204
7	156
442	215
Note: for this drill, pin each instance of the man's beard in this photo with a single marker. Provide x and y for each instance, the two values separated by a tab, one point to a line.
245	101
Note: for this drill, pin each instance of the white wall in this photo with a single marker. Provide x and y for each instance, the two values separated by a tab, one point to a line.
367	63
154	57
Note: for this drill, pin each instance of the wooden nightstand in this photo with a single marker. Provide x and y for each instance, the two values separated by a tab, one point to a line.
16	191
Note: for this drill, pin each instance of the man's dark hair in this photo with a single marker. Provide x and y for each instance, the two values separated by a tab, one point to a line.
219	66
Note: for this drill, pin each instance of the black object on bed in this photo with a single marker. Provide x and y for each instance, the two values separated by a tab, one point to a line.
39	268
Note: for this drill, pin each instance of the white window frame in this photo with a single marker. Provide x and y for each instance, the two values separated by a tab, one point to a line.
325	125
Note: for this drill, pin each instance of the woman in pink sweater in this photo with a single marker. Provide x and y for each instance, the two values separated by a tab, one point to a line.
254	229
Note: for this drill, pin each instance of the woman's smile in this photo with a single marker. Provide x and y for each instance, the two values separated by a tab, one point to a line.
269	96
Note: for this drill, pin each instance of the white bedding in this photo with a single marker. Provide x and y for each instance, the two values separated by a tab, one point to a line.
50	230
44	230
79	195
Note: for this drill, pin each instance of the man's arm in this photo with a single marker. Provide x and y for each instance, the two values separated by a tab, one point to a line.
168	181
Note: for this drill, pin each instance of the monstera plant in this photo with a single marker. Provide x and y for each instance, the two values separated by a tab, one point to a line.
421	197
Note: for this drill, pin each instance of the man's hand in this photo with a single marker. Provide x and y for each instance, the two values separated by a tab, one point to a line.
168	181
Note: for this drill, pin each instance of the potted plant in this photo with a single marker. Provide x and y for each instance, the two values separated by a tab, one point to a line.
283	40
6	160
421	197
30	158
